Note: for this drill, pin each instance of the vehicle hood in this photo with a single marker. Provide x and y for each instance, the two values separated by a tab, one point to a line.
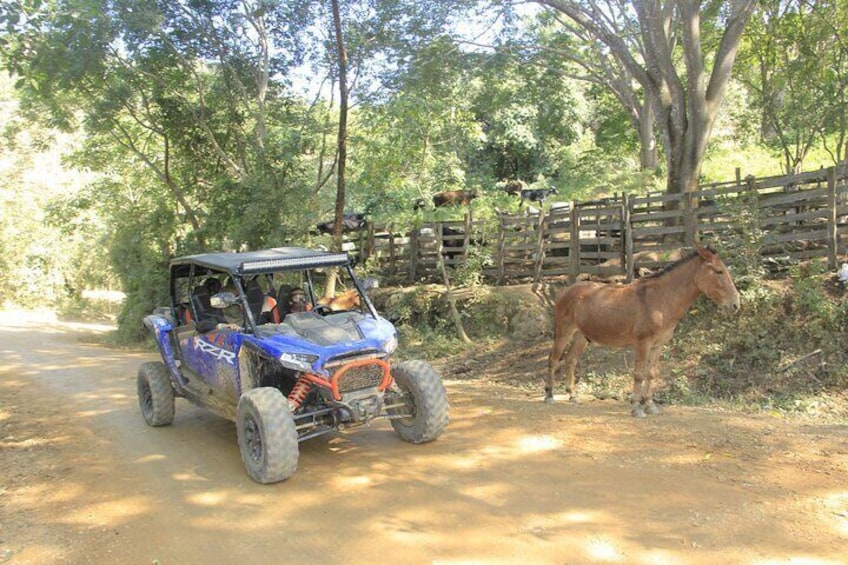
317	339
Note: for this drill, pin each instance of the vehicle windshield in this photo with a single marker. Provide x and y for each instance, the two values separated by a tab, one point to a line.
220	298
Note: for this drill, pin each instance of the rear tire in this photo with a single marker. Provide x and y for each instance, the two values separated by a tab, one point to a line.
155	394
267	436
422	388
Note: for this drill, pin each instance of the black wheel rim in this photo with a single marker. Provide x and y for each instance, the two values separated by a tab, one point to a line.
409	400
253	439
146	399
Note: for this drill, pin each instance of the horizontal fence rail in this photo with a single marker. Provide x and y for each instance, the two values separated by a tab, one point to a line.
790	218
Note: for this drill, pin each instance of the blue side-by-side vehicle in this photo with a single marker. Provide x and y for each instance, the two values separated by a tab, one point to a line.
250	336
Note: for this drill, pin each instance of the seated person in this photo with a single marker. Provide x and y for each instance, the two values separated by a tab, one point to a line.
298	301
233	314
290	300
213	285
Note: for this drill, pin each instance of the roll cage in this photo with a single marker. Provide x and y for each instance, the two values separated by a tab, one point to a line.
244	266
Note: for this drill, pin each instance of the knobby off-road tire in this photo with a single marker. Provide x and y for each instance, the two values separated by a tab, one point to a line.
422	387
155	394
267	436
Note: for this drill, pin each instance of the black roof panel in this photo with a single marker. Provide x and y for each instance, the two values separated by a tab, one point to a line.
265	260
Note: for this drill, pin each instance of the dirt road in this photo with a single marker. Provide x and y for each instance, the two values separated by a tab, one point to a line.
83	480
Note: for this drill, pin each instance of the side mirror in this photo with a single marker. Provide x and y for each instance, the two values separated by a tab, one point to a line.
370	282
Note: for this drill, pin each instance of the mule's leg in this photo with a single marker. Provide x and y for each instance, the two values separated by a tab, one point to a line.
562	336
639	374
571	359
653	373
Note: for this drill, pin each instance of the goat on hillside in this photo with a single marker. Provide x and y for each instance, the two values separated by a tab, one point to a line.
514	187
448	198
353	221
536	195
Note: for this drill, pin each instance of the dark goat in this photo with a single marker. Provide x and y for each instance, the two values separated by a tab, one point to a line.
353	221
515	187
536	195
453	240
452	246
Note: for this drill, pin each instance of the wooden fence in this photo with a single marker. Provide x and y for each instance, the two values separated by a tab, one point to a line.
790	218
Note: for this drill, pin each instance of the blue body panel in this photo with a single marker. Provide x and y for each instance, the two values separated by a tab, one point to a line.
214	356
376	333
161	328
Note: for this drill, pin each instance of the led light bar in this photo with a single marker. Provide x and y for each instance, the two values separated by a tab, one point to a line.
331	260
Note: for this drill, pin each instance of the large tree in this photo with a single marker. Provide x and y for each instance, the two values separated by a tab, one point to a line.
795	63
187	119
191	92
592	62
660	44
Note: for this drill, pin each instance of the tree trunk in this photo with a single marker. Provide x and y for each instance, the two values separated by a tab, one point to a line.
440	262
341	151
647	137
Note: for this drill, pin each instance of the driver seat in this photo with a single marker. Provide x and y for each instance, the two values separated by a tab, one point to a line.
201	302
255	298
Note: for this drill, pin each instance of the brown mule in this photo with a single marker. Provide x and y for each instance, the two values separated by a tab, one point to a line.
642	314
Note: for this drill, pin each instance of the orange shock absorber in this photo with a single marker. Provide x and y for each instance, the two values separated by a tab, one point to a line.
299	392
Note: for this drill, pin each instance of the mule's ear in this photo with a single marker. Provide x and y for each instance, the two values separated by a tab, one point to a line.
705	253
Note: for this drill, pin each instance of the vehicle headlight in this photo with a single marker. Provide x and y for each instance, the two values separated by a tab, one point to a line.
390	344
298	361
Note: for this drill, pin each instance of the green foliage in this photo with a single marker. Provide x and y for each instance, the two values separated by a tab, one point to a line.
793	61
470	274
529	115
726	155
614	134
812	299
43	263
776	353
744	247
421	307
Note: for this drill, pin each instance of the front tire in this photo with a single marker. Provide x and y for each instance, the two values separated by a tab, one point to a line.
267	436
426	399
155	394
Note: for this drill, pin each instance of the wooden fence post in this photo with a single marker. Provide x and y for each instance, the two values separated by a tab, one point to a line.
574	250
466	241
392	257
751	183
690	223
413	254
540	245
440	267
369	244
501	249
832	235
627	228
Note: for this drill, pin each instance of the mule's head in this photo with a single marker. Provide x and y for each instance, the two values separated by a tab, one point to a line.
713	279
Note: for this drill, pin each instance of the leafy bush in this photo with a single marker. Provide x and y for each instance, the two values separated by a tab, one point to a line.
781	348
470	274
